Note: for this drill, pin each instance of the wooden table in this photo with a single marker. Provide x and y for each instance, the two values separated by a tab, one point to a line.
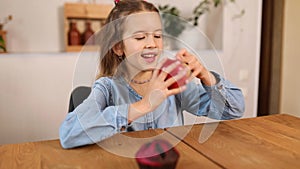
262	142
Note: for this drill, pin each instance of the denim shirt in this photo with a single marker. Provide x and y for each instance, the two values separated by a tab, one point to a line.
104	112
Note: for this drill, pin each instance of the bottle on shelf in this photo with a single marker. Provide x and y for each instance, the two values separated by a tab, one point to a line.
73	34
87	35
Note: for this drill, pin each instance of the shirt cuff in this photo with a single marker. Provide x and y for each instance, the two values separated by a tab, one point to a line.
122	118
218	86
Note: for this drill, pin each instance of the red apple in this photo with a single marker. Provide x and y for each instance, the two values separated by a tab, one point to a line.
174	72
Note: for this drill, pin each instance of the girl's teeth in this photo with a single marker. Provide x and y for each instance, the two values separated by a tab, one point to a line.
148	56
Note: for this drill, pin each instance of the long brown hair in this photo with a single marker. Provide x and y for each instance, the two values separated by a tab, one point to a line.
111	34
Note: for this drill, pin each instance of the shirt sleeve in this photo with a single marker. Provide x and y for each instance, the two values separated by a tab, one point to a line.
94	119
221	101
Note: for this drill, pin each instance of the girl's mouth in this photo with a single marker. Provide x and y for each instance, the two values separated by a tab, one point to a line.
149	57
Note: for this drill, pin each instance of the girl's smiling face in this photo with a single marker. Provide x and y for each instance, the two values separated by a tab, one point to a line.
142	41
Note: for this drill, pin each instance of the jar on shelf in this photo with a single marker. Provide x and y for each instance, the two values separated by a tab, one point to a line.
73	34
87	35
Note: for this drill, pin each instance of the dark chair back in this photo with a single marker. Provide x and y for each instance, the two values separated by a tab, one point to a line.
78	95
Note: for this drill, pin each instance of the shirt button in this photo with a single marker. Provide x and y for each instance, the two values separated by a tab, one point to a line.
123	128
220	87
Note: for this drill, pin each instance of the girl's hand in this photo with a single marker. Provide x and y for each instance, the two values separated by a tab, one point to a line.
158	90
196	67
159	86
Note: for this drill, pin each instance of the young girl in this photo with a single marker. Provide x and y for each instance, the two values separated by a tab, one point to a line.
131	93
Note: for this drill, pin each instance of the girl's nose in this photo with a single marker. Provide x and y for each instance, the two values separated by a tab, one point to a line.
150	43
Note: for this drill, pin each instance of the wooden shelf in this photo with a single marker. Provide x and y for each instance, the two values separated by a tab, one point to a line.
87	11
79	48
82	12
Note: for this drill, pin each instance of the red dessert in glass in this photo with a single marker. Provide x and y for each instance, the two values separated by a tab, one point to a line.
158	154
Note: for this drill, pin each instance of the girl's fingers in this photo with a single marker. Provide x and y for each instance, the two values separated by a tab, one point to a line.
181	52
192	71
176	90
176	78
194	74
167	70
180	55
157	69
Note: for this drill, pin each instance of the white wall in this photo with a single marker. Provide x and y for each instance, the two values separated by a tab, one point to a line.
290	93
37	86
241	47
34	95
37	25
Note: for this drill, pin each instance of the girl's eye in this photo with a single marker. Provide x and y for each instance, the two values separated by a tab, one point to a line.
140	38
158	36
